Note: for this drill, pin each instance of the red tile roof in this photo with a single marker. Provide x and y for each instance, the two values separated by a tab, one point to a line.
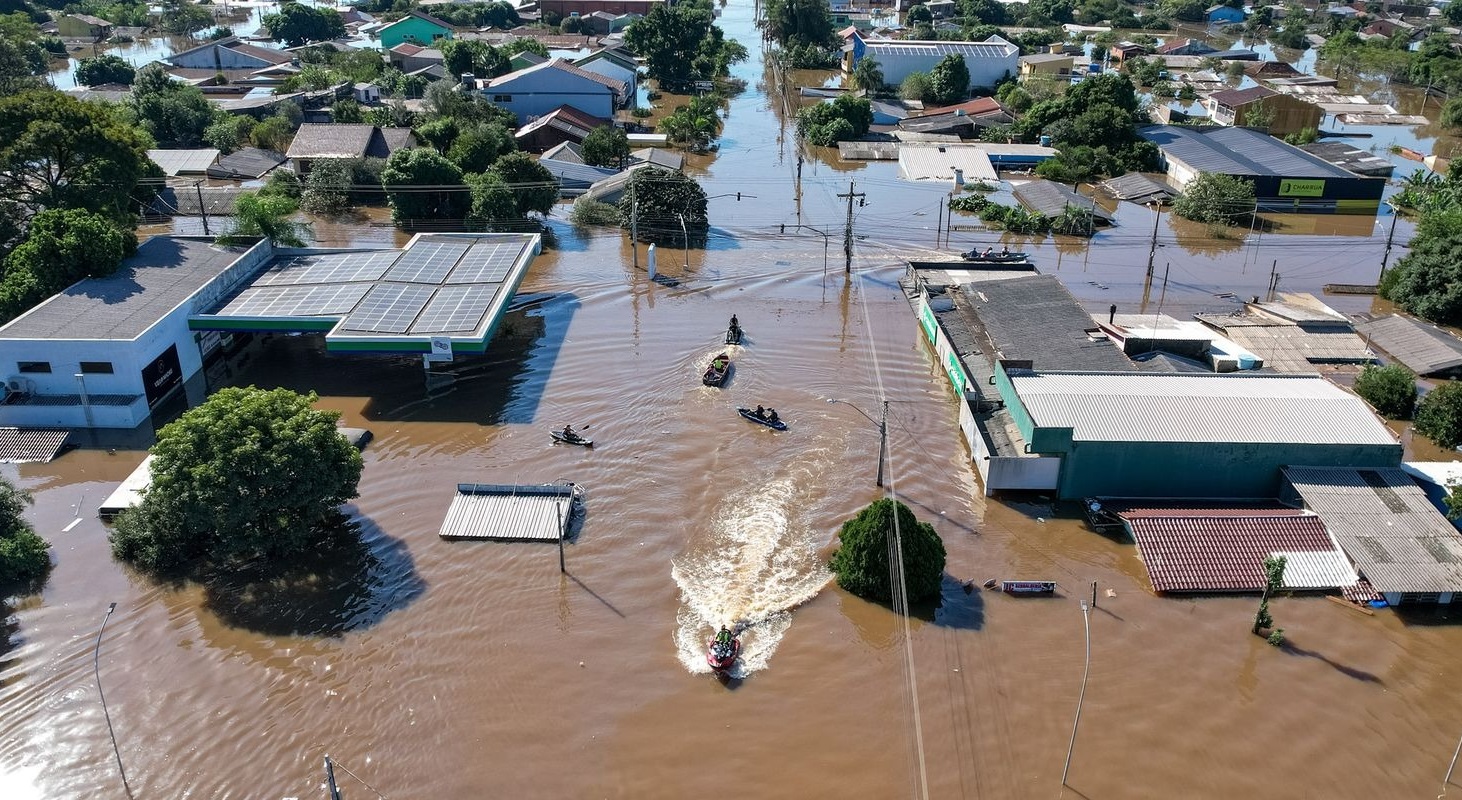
1221	549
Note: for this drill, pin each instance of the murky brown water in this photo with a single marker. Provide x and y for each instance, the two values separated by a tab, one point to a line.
457	669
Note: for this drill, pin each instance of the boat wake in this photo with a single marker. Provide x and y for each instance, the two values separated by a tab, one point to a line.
753	567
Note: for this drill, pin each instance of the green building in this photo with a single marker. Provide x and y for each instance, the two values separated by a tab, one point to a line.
416	28
1187	435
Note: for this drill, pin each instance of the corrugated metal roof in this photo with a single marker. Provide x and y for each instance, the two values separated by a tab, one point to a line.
1148	407
935	162
489	511
129	494
20	445
180	162
1422	348
1223	550
1036	318
1051	199
1238	151
248	162
1383	520
987	49
1135	187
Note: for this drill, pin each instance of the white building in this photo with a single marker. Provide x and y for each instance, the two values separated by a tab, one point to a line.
541	88
988	62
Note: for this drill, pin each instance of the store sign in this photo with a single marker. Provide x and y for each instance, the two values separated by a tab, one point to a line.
1298	188
162	376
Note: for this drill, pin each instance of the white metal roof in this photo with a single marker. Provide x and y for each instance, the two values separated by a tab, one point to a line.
1148	407
129	494
899	47
936	162
184	162
482	511
1317	570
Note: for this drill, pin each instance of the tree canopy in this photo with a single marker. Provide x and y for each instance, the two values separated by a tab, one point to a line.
535	190
861	562
663	197
1428	281
478	145
422	184
949	80
844	118
867	75
175	114
62	247
105	68
264	215
462	56
1439	415
24	559
1391	390
249	476
297	24
793	23
682	44
1215	197
606	146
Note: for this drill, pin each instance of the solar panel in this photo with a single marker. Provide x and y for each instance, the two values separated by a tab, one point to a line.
427	262
285	272
388	308
486	262
348	267
296	301
455	308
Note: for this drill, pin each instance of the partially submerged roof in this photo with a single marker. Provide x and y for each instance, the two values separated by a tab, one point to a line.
1350	157
1233	408
994	47
336	140
1422	348
1051	199
1134	187
1238	151
486	511
165	272
1383	520
234	43
1233	98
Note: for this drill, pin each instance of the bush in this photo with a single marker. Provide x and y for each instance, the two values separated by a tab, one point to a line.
592	212
1439	415
1215	197
861	562
24	558
1391	390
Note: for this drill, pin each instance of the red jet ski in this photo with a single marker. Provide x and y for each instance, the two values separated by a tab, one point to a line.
722	656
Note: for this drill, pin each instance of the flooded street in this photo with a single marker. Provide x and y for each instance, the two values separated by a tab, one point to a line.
473	669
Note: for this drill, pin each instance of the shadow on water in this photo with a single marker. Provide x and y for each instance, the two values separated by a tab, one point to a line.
1426	614
503	385
351	584
9	639
961	605
1350	672
571	576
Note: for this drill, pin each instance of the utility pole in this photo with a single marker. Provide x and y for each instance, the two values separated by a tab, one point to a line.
330	779
634	228
848	232
1273	281
799	180
1387	255
882	441
202	209
1152	251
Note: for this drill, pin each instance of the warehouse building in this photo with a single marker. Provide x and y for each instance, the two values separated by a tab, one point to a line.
1136	434
108	352
988	62
1285	177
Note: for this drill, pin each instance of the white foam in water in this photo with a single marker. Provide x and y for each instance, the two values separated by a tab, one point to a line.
754	565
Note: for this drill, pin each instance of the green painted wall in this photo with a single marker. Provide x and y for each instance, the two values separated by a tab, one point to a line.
415	30
1206	469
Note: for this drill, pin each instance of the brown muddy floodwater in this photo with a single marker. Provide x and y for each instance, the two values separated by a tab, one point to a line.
463	669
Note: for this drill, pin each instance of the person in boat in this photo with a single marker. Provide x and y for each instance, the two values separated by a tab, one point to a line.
988	252
735	326
723	637
1005	250
772	415
568	433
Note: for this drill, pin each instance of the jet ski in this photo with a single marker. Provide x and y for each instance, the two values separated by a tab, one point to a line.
721	657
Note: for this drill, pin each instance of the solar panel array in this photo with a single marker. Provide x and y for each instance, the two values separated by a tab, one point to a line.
438	285
455	308
388	308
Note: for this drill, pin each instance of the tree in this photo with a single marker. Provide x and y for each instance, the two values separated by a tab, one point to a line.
22	65
479	145
273	133
1439	415
682	44
58	152
297	24
606	146
1391	390
694	124
588	213
793	23
24	559
229	133
175	114
867	75
346	111
1428	281
461	56
949	81
1273	582
183	18
492	199
861	562
535	190
661	197
1215	197
259	215
918	14
104	69
916	87
1451	116
250	476
422	184
327	187
62	247
844	118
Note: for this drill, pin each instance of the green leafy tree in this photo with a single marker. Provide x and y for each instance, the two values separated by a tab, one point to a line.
681	44
272	133
1451	116
1273	582
1428	281
1391	390
24	559
918	14
176	115
1215	197
867	75
799	22
61	247
248	477
461	56
606	146
1439	415
23	65
58	152
104	69
492	199
183	18
861	562
535	190
589	213
480	145
525	45
842	119
297	24
264	216
695	124
949	81
422	184
229	133
661	197
327	187
346	111
916	87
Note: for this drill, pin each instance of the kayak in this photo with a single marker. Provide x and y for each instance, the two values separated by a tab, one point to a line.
718	370
776	425
722	657
578	440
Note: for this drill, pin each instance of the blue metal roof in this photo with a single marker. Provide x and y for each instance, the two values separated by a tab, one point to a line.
1238	151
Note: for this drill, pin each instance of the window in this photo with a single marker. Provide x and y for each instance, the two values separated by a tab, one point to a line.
96	367
35	366
436	36
502	98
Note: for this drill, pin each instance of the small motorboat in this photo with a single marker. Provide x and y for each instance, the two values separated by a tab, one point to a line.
718	370
733	335
774	424
559	437
995	258
721	657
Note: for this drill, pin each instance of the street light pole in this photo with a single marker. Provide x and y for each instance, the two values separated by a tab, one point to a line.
684	239
882	424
